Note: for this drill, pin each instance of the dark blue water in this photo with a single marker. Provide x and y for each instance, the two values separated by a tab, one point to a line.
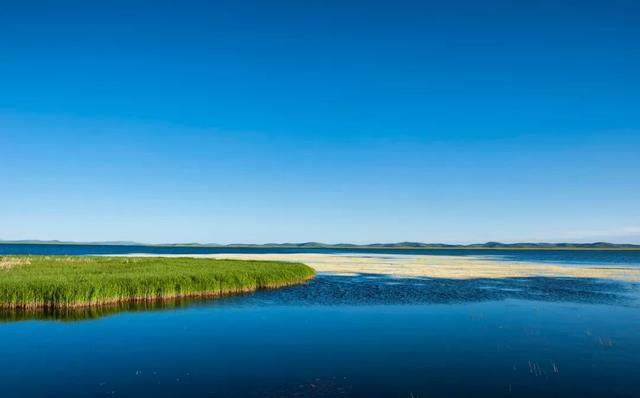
340	336
568	257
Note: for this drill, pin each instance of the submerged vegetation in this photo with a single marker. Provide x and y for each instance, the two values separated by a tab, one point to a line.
46	282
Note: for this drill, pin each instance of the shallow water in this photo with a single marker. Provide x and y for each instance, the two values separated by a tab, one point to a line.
566	257
354	336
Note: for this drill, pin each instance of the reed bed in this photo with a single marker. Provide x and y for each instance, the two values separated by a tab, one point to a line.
46	282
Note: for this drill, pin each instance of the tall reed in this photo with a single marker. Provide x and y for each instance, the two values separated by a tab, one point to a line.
28	282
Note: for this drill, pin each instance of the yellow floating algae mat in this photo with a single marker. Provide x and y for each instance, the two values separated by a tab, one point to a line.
454	267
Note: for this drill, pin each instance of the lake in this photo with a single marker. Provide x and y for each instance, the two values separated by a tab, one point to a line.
568	257
363	335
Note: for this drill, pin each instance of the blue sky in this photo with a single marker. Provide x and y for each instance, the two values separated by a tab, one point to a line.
458	121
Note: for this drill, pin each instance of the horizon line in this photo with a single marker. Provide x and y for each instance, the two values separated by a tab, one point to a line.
323	244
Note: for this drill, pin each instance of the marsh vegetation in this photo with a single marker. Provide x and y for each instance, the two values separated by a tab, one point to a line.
31	282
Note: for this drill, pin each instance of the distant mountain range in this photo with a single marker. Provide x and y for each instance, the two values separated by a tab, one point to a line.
318	245
68	242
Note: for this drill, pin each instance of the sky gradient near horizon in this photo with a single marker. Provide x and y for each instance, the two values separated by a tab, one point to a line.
336	121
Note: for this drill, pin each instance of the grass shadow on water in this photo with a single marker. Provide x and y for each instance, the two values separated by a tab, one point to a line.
88	313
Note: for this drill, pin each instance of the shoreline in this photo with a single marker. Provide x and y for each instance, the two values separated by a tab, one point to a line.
426	266
147	299
68	282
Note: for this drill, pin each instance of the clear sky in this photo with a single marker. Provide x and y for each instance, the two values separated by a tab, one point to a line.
334	121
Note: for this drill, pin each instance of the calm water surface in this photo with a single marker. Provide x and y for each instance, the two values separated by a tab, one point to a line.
567	257
363	336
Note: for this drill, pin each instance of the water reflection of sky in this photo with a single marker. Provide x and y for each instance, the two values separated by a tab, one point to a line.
344	336
341	336
599	258
366	289
374	289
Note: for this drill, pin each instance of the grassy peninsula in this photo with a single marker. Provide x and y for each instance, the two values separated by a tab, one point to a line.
49	282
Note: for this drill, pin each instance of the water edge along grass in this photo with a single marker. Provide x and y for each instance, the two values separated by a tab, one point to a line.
28	282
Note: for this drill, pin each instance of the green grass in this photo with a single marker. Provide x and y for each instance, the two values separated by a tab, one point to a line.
28	282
